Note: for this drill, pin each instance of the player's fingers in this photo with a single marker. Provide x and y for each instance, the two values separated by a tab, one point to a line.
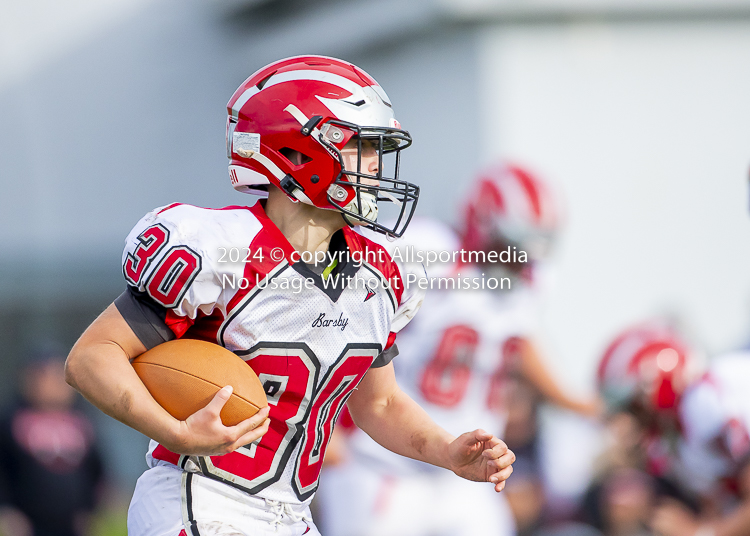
501	475
219	399
506	460
481	435
250	423
253	435
496	450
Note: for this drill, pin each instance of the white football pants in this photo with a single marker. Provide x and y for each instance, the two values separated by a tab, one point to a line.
170	502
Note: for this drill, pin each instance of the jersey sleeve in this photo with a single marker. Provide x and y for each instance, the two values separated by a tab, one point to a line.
405	290
170	263
146	318
715	438
702	414
412	296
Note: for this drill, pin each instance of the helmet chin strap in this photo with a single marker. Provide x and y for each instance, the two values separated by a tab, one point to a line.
369	210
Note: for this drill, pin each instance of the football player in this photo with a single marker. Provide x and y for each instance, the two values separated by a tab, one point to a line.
693	428
458	355
314	134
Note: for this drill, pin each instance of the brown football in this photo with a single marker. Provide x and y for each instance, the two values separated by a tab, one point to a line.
183	376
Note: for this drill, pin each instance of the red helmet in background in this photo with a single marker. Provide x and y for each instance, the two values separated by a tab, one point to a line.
509	206
646	367
288	123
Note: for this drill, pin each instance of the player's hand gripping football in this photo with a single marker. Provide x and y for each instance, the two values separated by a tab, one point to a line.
481	457
203	433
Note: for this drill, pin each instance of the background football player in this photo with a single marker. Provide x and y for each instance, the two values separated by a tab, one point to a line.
459	356
691	429
315	135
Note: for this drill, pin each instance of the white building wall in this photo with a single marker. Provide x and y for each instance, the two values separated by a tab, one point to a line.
646	129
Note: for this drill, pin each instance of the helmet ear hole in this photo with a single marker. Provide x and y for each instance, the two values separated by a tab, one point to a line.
295	157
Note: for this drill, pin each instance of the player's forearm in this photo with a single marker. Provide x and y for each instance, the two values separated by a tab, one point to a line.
102	373
402	426
99	368
537	373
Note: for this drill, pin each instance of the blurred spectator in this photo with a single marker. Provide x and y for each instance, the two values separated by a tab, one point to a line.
50	471
569	529
621	503
525	491
627	497
526	497
528	492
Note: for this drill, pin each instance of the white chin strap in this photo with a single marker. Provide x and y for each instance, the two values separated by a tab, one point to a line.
369	212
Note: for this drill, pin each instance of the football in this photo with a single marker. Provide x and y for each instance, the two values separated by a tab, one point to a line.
183	375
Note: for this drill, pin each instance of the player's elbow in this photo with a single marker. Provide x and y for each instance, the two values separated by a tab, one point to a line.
70	372
73	366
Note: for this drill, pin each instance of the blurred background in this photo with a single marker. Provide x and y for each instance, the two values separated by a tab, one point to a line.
636	110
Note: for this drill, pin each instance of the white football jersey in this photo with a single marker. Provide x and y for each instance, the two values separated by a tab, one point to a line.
453	356
229	276
715	419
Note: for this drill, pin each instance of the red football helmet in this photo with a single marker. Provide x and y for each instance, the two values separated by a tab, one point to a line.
646	367
510	207
288	123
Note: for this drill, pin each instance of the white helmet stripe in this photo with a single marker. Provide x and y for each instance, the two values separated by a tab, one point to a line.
381	93
306	74
622	357
320	76
240	102
517	202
